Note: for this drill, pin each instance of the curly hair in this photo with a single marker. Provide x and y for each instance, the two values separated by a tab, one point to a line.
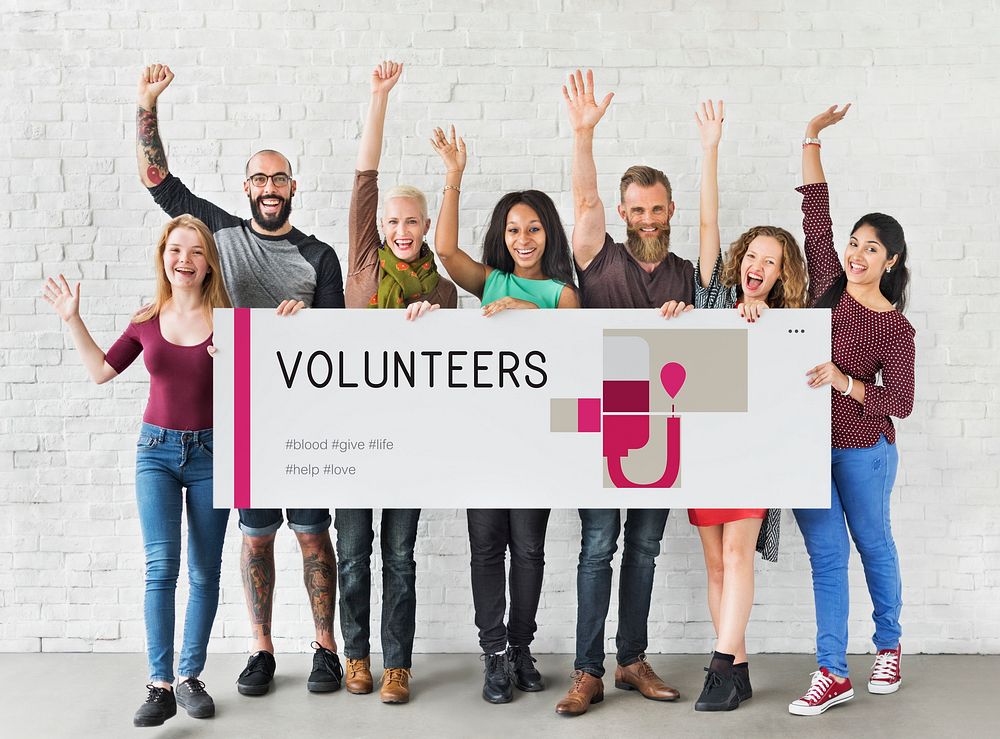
790	289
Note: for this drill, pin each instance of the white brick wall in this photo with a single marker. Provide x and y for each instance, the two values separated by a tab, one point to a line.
921	143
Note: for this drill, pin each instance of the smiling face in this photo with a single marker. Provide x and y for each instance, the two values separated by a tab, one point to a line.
524	236
647	212
866	258
270	204
404	226
760	267
184	260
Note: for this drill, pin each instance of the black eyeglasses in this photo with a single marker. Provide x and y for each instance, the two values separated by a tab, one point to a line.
260	179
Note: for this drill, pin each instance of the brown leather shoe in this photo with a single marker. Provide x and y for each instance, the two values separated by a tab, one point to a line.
640	676
358	679
585	691
395	685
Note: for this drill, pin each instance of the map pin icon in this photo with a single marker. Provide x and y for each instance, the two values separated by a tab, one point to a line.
672	377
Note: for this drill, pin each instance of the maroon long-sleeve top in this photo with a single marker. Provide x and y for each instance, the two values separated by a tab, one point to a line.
865	342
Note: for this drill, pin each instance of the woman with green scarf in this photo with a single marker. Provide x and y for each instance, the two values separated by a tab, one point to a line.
399	271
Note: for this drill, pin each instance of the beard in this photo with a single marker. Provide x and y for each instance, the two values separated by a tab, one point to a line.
271	223
648	249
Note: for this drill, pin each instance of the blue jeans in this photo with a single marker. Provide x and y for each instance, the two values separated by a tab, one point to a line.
167	464
600	529
861	486
399	582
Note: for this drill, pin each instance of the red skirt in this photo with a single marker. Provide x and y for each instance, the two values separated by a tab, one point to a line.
717	516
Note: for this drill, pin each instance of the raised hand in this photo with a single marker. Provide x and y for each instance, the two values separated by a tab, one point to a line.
452	152
385	76
584	111
827	118
65	300
154	80
710	124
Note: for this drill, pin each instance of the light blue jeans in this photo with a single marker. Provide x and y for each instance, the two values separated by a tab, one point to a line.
861	485
174	468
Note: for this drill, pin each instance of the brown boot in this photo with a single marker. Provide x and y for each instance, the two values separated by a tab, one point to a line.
359	676
395	685
585	690
640	676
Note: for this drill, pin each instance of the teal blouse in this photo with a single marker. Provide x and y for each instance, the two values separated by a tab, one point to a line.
543	293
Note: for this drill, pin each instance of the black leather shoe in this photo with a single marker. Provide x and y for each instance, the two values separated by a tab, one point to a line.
496	683
159	706
741	676
257	675
192	697
719	693
327	673
523	672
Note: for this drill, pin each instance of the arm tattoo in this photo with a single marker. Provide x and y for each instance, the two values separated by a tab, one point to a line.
258	584
148	136
320	574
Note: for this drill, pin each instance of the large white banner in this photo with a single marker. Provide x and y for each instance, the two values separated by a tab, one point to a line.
526	409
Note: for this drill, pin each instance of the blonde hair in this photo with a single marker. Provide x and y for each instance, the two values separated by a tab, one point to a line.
408	191
213	291
790	289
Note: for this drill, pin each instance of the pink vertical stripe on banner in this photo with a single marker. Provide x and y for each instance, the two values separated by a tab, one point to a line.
241	408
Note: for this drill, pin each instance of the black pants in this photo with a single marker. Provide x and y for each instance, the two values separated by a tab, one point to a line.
491	532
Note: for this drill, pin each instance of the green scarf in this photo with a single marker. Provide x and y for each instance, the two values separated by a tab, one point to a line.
401	281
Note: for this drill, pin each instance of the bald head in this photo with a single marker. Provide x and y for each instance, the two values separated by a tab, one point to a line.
268	161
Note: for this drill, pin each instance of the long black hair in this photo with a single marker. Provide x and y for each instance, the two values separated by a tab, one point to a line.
557	264
895	282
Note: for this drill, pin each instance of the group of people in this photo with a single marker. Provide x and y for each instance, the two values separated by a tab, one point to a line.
207	258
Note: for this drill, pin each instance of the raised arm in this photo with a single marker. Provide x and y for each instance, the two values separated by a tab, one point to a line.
150	154
384	78
66	303
463	269
710	130
589	225
812	165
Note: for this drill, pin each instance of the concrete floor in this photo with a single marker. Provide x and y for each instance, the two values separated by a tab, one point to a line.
83	695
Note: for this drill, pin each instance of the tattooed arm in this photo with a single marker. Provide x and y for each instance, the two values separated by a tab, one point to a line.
152	158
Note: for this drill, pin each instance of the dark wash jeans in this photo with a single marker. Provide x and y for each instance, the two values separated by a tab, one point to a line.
399	574
491	532
599	533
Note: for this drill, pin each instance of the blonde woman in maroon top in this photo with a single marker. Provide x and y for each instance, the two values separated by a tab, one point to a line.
871	379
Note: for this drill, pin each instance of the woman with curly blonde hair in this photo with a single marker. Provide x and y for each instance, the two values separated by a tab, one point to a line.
763	268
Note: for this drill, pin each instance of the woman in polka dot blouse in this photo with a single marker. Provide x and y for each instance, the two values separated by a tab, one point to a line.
871	379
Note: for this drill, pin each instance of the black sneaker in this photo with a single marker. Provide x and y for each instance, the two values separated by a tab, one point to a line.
327	673
741	676
192	696
257	675
719	693
159	706
523	672
496	683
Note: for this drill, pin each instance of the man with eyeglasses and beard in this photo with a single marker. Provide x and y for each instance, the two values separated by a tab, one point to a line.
266	263
641	273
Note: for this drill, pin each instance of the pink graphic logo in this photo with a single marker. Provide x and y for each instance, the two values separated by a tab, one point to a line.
641	449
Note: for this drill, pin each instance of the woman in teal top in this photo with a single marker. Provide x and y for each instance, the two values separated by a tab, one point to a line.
526	265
